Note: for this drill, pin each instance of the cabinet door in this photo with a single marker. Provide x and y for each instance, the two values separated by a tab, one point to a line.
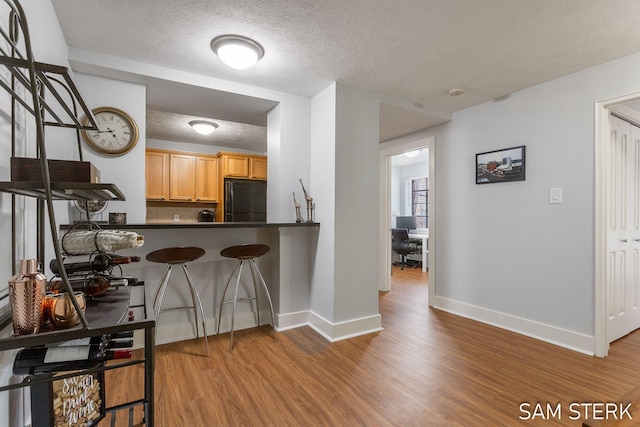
182	178
206	179
258	167
156	175
236	165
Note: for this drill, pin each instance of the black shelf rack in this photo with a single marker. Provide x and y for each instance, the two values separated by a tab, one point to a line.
44	95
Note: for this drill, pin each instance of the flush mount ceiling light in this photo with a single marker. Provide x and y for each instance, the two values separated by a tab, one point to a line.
236	51
203	127
455	91
413	153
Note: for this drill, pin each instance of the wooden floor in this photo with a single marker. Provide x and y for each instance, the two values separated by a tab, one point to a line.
427	368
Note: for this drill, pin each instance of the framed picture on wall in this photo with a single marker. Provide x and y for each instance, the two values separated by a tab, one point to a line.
504	165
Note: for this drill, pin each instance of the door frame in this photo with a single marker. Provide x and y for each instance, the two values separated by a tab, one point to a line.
385	209
602	134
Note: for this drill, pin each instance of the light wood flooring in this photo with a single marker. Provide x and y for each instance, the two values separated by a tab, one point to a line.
427	368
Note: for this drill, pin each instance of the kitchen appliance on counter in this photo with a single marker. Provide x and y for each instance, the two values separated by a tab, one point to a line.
206	215
245	200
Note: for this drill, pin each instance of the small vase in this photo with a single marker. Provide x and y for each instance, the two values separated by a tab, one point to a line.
26	294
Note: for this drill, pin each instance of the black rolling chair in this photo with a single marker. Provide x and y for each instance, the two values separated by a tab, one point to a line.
401	244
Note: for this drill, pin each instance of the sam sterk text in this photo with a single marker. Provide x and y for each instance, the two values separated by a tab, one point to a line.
575	411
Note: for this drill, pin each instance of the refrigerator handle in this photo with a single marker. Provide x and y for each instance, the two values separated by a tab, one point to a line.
229	202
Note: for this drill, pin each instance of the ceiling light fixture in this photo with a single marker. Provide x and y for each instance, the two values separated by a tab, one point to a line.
236	51
455	91
413	153
203	127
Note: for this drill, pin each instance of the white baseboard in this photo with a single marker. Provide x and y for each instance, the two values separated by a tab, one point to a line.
292	320
343	330
540	331
332	332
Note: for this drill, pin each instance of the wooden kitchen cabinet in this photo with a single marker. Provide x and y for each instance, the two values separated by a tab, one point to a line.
257	167
234	165
181	178
238	165
157	175
206	179
174	176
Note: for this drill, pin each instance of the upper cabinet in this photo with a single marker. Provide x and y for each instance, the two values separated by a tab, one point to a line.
206	179
181	177
157	175
238	165
257	167
175	176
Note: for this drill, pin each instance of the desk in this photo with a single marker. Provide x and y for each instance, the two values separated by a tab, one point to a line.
425	247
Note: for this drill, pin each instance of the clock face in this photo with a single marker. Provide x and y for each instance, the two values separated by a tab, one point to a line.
117	132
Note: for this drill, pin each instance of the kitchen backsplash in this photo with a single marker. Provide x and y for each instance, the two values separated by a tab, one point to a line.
163	212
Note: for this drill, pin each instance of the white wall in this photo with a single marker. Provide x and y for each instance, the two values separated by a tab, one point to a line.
126	171
344	296
322	189
528	265
356	202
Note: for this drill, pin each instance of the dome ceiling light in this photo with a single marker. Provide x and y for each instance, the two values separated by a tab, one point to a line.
456	91
203	127
236	51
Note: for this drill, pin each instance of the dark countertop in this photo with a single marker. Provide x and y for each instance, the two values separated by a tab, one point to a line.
175	225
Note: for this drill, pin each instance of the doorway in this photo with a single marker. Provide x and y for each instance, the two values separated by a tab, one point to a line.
388	211
617	220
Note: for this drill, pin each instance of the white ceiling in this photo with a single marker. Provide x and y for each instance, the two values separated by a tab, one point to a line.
410	51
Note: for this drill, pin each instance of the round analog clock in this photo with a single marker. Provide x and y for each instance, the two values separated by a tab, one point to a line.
117	131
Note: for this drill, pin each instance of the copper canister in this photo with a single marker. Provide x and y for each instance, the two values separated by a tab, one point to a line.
26	294
60	311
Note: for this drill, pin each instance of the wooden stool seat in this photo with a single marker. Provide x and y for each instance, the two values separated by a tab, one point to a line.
179	255
245	254
176	255
248	251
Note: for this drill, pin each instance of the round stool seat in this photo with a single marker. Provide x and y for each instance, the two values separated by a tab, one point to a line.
176	255
248	251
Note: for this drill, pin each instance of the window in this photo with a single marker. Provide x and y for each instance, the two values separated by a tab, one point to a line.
419	201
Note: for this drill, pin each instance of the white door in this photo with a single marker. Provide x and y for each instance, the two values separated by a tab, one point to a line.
623	230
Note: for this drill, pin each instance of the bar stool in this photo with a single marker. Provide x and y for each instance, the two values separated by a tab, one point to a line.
178	256
245	253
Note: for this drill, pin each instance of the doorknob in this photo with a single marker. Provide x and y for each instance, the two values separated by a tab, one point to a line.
636	240
623	240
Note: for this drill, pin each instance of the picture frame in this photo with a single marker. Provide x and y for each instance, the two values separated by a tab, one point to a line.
503	165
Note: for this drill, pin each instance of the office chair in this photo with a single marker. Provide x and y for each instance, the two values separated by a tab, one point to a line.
401	244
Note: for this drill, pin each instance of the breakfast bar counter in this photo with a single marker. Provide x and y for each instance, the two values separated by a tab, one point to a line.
287	269
197	225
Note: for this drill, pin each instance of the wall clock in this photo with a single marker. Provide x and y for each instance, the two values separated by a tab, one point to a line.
117	132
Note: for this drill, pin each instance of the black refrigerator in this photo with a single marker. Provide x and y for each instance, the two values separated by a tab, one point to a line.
245	200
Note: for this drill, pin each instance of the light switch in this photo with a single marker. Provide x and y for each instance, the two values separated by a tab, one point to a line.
555	195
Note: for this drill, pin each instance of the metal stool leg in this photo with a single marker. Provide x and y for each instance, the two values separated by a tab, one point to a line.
195	298
266	290
162	287
255	289
224	293
235	302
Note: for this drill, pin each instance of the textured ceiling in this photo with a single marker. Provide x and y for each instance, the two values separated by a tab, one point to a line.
410	50
175	127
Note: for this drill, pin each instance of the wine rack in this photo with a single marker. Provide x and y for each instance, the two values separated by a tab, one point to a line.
46	94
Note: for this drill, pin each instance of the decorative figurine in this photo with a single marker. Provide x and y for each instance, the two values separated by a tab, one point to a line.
310	204
297	205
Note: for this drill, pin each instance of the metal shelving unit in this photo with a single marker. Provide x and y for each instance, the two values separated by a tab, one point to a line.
47	93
